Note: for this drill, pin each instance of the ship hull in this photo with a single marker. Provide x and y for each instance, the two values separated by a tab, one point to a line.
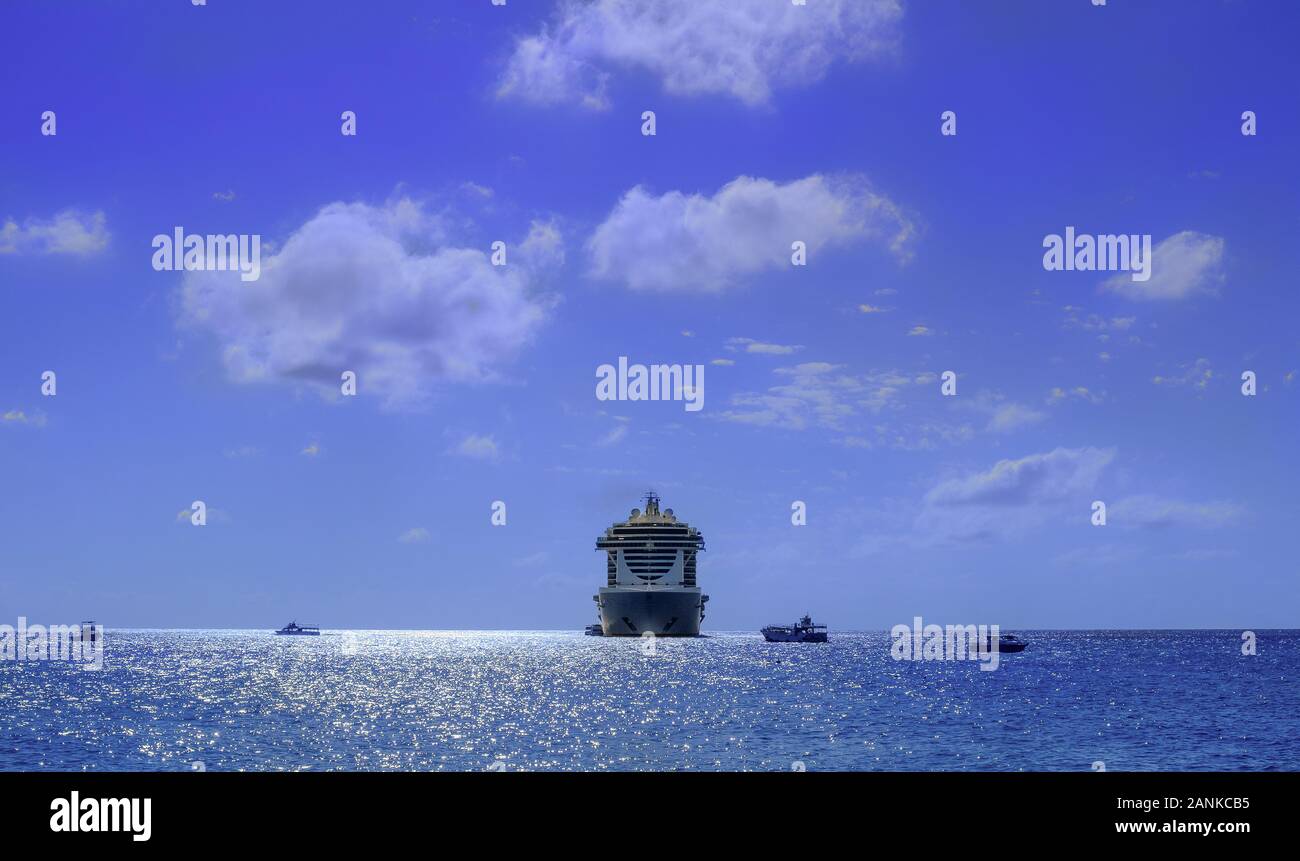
794	637
664	612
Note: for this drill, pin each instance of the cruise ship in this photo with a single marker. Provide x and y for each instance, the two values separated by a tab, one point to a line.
650	568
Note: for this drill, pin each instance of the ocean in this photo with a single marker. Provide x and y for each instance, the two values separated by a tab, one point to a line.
518	700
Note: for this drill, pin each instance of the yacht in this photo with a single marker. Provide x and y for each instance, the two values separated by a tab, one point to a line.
650	585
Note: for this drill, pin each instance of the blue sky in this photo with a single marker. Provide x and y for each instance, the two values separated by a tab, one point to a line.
522	124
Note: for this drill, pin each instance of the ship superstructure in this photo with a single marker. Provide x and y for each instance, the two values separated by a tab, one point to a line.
650	575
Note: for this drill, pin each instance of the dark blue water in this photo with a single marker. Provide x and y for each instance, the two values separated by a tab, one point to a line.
231	700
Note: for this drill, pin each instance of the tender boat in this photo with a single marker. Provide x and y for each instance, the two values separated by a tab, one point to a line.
294	629
596	630
1011	643
803	631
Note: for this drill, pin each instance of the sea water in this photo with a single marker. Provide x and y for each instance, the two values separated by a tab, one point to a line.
462	700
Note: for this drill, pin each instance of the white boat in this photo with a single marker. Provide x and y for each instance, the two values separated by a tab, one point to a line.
650	575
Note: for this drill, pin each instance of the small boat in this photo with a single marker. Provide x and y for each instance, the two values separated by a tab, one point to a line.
1011	643
596	630
293	628
803	631
1007	643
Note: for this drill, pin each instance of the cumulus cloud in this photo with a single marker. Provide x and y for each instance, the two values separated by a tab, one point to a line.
378	290
690	242
743	48
1185	264
68	232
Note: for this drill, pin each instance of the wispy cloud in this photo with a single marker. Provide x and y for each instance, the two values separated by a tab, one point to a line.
479	447
1058	395
1012	416
1013	494
414	535
615	435
1151	511
17	417
864	408
750	345
1197	375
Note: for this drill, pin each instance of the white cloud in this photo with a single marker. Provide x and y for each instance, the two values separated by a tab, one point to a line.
727	362
479	447
1037	478
1196	374
749	345
544	245
919	331
1183	265
872	309
681	242
242	451
311	449
68	232
415	535
614	436
1010	416
1013	495
373	289
1148	510
17	417
810	394
822	395
1058	394
741	48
